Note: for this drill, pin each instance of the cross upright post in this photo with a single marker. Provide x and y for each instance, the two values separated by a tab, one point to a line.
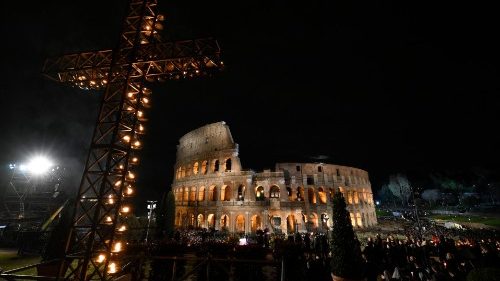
95	246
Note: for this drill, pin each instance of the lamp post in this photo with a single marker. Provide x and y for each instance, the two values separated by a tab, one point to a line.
151	207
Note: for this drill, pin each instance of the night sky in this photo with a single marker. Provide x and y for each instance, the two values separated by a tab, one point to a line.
387	87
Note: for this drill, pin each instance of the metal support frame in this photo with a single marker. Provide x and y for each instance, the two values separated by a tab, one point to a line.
107	182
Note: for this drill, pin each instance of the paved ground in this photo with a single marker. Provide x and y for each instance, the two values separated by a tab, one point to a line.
10	260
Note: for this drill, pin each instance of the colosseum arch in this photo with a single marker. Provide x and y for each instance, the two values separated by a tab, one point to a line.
192	220
274	192
241	192
290	193
215	167
224	222
178	219
353	219
332	192
313	218
240	223
225	193
359	221
212	193
188	171
195	168
290	224
204	167
312	195
259	193
177	195
201	194
228	164
322	195
300	193
185	194
324	218
211	220
183	172
349	197
255	223
201	220
355	196
192	194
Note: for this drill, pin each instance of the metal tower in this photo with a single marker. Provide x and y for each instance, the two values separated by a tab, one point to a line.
96	252
30	197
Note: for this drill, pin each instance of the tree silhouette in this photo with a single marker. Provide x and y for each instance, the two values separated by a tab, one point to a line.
346	252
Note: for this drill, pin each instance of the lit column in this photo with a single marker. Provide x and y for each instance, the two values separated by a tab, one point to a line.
247	222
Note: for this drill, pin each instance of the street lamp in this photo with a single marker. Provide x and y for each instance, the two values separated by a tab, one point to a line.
151	207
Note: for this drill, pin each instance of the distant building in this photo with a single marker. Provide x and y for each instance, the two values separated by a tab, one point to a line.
212	190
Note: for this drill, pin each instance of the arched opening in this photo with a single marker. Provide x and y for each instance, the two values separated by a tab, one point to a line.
215	168
332	193
178	219
359	222
195	168
225	193
191	220
322	195
289	193
313	219
259	193
212	193
312	195
353	219
224	222
211	220
177	195
241	192
188	171
185	194
349	197
324	220
204	167
192	194
228	165
256	223
240	223
290	224
274	192
183	172
300	193
355	197
178	173
201	194
201	220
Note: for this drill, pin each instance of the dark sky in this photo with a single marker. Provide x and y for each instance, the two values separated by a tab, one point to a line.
387	87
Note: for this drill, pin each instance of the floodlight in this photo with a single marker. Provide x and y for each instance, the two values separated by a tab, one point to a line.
38	165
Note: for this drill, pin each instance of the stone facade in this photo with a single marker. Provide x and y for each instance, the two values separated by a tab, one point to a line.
212	190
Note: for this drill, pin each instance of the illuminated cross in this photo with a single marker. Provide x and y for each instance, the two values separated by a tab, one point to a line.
103	200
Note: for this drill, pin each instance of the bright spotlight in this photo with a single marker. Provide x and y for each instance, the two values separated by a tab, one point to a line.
39	165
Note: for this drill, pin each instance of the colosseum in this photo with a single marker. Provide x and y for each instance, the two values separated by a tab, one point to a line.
213	191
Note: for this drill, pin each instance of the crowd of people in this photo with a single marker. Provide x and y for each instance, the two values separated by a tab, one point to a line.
427	253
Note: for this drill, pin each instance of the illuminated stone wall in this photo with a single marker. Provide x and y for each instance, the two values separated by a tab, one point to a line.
211	189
